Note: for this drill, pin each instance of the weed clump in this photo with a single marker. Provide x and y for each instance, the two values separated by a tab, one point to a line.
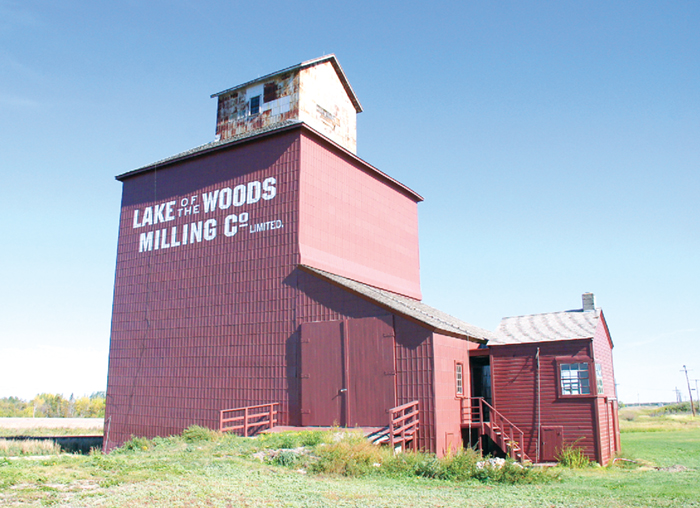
135	444
674	409
348	455
573	457
195	433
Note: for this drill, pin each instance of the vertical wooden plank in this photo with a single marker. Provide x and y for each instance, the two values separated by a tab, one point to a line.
371	374
322	374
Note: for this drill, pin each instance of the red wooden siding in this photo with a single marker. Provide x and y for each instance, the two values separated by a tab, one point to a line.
355	225
602	352
448	352
514	380
201	327
607	408
414	376
318	300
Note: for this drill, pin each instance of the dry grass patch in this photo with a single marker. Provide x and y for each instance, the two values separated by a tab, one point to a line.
9	448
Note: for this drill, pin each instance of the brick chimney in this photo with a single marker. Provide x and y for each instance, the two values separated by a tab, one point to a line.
588	301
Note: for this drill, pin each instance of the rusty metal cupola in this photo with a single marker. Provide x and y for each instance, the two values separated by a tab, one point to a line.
315	92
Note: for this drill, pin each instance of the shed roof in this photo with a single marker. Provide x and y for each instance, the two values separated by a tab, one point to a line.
309	63
407	307
566	325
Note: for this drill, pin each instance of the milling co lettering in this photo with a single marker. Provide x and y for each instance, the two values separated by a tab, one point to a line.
194	232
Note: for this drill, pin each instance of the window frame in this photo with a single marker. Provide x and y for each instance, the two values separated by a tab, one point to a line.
600	387
591	377
459	379
250	105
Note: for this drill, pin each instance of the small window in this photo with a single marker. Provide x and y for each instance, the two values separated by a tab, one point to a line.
574	378
599	378
255	105
459	378
270	92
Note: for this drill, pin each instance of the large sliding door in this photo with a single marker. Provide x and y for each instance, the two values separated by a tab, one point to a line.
348	376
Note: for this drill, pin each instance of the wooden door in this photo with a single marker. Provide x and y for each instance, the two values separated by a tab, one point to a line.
322	374
348	376
552	443
371	371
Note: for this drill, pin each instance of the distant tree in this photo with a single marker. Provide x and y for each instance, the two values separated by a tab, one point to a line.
89	407
51	405
14	407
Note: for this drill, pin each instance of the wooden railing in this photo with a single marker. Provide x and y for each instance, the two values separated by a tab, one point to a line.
477	413
250	420
403	425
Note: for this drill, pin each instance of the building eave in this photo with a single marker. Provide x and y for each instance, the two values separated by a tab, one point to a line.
304	65
250	137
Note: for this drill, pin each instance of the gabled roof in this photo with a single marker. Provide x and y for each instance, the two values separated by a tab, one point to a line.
269	131
409	308
567	325
304	65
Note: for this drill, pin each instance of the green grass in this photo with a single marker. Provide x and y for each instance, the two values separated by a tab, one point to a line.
203	468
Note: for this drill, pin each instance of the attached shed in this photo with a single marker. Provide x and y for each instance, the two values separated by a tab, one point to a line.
552	376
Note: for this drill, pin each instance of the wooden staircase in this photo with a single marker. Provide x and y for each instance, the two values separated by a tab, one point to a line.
479	414
402	429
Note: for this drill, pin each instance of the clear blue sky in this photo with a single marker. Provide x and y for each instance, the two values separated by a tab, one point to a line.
557	145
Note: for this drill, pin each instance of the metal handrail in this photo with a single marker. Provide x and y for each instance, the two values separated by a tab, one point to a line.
254	418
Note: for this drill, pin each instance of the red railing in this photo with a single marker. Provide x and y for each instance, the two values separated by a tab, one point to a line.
477	413
250	420
403	425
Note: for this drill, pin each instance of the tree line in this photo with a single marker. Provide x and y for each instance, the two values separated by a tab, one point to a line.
54	405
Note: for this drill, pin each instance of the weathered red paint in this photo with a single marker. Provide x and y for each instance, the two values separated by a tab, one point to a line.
217	323
350	226
586	421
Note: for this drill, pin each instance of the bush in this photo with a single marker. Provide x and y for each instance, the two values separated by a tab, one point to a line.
195	433
287	458
460	466
134	444
629	415
351	455
674	409
573	457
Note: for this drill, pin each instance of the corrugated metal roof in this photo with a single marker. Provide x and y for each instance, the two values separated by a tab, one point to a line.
567	325
309	63
408	307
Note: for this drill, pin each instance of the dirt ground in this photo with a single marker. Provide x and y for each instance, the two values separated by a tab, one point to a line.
51	423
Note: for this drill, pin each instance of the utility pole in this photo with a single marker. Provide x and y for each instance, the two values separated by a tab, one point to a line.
690	392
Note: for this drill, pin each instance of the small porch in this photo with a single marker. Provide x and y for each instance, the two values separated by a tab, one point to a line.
481	419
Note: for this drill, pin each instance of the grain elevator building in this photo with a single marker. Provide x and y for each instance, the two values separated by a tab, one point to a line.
273	265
